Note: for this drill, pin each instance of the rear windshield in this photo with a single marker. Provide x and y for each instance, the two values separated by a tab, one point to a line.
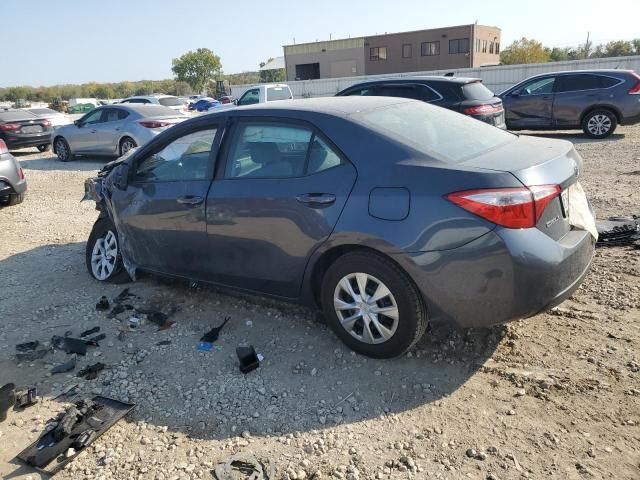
154	111
476	91
170	101
17	115
442	134
278	93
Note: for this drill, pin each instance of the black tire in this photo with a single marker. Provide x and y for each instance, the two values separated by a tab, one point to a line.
599	123
101	229
12	199
412	319
61	147
126	144
44	148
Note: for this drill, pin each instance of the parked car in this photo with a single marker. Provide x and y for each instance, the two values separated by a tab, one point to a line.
595	101
203	104
261	94
174	103
386	212
465	95
13	185
23	129
56	118
226	99
113	130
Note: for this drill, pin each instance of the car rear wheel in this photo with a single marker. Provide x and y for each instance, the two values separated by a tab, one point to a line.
599	123
103	257
11	199
61	147
372	305
44	148
127	144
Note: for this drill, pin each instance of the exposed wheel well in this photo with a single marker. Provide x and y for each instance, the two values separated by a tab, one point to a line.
328	258
603	107
55	139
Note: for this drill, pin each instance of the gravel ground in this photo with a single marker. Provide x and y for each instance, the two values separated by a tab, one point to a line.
555	396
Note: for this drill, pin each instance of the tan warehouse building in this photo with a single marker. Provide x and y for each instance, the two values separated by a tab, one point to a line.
463	46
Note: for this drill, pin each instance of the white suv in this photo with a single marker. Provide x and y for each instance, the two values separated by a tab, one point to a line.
174	103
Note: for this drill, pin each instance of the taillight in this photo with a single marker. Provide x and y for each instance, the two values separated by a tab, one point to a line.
519	207
46	123
154	124
3	147
635	90
10	126
21	174
483	109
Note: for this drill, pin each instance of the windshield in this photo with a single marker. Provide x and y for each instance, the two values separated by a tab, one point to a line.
170	101
476	91
442	134
278	93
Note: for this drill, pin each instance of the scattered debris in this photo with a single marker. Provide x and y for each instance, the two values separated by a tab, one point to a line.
26	399
90	372
617	231
28	346
213	334
163	342
75	345
248	358
67	391
66	366
91	331
205	346
76	428
34	355
243	466
134	322
103	304
7	399
93	341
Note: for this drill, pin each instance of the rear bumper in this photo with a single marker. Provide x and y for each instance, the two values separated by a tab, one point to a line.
15	142
631	120
8	188
502	276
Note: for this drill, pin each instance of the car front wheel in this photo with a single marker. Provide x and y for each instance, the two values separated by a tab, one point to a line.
103	257
62	150
599	123
372	305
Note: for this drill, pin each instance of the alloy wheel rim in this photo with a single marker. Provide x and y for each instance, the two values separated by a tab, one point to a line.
126	146
104	255
61	150
366	308
599	124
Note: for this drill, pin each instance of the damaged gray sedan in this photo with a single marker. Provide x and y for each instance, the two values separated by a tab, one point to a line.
384	212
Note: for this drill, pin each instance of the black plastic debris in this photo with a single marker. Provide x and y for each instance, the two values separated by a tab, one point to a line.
27	346
103	304
213	334
75	345
76	428
243	466
7	399
123	295
91	331
90	372
31	356
26	399
93	341
248	358
163	343
65	367
618	231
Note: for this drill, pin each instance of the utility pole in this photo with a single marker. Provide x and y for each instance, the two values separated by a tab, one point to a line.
587	47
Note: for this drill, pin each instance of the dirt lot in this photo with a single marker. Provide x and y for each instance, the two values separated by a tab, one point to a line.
555	396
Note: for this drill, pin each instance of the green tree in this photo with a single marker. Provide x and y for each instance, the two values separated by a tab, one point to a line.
180	88
636	46
618	48
525	51
197	68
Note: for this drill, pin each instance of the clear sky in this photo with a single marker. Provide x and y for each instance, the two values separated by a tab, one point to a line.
47	42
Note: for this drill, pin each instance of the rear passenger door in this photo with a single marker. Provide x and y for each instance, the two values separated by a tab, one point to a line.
108	131
276	200
577	93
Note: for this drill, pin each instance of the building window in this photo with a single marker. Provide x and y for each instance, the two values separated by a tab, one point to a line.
406	50
490	47
484	46
430	49
377	53
478	45
458	45
497	49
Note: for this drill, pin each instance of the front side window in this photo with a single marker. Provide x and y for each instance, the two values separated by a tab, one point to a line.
113	115
378	53
430	49
406	50
458	45
186	158
542	86
250	97
92	118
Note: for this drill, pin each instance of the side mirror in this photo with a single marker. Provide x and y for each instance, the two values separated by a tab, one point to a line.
235	101
77	123
515	93
121	175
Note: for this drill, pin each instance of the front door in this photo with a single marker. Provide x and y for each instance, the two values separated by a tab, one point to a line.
530	106
279	197
109	131
84	137
161	215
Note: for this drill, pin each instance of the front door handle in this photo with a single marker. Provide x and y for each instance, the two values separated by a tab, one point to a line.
190	200
93	131
317	199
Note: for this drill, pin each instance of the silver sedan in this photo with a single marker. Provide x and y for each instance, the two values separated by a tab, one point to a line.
112	130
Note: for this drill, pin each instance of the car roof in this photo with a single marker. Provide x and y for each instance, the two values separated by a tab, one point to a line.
419	78
148	96
595	71
139	108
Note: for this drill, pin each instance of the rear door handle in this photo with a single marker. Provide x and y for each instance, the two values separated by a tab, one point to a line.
190	200
93	131
317	199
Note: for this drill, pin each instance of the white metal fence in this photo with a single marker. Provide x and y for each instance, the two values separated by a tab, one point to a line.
497	79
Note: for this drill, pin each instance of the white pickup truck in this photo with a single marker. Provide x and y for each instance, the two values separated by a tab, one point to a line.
259	94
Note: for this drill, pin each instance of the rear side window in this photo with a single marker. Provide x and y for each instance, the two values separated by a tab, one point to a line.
442	134
449	91
170	101
278	93
415	92
578	82
136	100
362	92
606	82
476	91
